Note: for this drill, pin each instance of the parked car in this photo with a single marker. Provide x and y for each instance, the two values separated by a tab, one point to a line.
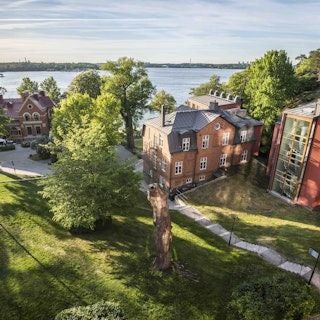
3	142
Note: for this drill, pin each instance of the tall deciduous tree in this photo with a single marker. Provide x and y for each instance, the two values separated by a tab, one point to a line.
270	86
27	85
50	86
204	88
237	83
86	82
128	81
88	184
165	99
309	65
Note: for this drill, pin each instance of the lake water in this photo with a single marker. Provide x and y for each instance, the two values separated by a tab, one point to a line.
176	81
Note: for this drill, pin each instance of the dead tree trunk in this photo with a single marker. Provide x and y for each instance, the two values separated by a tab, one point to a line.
162	222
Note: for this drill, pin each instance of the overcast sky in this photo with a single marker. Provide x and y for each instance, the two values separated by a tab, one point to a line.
217	31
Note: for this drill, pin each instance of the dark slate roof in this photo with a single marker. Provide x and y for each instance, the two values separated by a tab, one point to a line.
206	99
185	122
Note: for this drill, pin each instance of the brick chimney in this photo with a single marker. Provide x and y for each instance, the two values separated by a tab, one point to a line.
317	110
163	115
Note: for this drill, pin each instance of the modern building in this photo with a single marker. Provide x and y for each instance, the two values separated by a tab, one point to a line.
224	100
189	145
294	160
30	115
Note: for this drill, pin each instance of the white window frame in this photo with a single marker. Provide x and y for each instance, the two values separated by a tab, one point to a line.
205	141
188	180
186	144
244	156
202	177
178	167
164	165
36	114
39	127
225	138
223	160
203	163
160	140
243	136
155	160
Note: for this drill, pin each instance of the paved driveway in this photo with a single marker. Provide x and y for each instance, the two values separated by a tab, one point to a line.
18	162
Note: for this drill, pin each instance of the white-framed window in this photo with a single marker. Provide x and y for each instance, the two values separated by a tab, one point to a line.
29	131
185	144
243	136
38	130
155	161
244	156
205	142
225	138
163	165
223	160
160	140
155	141
27	116
217	126
203	163
202	178
36	116
188	180
178	167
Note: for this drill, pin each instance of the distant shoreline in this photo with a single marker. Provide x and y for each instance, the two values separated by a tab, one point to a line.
77	67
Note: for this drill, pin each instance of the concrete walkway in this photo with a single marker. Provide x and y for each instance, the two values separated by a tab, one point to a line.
265	253
18	162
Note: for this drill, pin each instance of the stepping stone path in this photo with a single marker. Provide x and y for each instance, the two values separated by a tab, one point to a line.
265	253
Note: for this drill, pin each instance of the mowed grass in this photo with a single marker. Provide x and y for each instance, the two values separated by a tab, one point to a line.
112	264
263	218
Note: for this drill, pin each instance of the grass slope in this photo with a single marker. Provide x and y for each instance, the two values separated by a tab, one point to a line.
112	264
263	218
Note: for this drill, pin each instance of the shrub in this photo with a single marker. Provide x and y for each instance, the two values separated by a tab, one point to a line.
7	147
33	144
103	310
25	144
281	297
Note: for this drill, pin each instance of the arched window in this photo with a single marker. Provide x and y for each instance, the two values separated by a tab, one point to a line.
27	116
36	116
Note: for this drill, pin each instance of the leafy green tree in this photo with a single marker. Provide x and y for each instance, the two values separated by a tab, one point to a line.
204	88
50	86
309	65
88	184
86	82
280	297
165	99
77	110
237	83
128	81
27	85
270	86
4	121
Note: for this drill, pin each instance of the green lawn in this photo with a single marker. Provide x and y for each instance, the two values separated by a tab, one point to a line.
263	218
112	264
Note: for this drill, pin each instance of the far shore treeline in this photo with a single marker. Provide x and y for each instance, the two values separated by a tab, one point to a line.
80	66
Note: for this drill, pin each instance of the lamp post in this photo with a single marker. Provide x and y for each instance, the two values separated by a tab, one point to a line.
316	255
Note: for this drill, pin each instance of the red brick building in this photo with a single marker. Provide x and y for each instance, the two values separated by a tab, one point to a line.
294	160
190	145
30	115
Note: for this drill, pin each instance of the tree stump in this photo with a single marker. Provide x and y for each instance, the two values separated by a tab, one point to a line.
162	222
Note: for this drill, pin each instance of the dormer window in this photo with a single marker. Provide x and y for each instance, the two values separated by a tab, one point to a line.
243	136
185	144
